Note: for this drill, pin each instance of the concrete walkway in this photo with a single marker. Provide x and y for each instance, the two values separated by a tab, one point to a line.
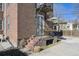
68	47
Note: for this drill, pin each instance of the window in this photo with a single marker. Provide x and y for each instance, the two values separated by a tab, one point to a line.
7	4
1	6
42	18
67	26
0	24
78	26
8	23
40	25
55	28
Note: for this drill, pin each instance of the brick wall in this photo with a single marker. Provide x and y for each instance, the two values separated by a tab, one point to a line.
1	15
11	12
22	21
26	20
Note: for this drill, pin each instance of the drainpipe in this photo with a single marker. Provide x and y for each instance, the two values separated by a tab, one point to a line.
5	20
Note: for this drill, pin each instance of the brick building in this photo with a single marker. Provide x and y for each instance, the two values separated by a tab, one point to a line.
19	21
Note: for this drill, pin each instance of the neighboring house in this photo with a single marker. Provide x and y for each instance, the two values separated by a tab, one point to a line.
72	26
63	26
69	26
70	29
55	23
58	24
78	27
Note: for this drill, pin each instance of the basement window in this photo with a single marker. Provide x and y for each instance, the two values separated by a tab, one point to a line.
50	41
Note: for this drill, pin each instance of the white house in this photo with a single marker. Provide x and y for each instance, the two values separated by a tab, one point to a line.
69	26
78	27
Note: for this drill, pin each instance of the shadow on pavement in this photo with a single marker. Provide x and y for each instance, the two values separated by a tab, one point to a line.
13	52
62	38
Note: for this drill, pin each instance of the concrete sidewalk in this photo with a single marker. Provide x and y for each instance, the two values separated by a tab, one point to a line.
68	47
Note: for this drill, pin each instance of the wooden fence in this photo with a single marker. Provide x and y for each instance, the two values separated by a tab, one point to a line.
71	33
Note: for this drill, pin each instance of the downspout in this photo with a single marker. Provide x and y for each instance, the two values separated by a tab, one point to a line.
5	30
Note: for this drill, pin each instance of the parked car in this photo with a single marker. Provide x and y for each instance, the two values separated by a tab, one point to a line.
56	33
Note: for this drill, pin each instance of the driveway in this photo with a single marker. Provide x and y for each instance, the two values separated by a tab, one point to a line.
68	47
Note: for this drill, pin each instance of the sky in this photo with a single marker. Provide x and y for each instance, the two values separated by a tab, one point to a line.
65	11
